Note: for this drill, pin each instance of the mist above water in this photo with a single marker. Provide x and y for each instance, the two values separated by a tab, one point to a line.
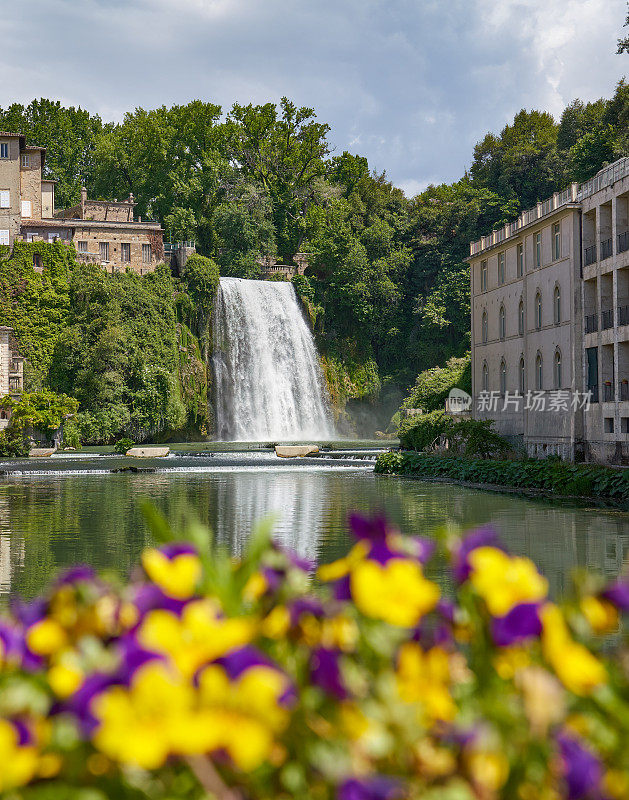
268	380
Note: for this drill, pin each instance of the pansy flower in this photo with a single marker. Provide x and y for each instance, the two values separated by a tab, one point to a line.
583	771
175	568
372	787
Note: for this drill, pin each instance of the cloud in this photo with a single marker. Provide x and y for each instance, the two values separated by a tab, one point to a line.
411	84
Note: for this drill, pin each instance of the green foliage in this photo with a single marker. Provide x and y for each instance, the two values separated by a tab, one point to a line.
469	437
553	477
124	444
13	443
43	410
433	386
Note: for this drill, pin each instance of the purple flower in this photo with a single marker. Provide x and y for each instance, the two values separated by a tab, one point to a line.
343	589
482	537
80	573
618	594
175	549
29	613
80	702
236	662
304	564
132	657
325	672
24	733
150	597
429	636
522	622
305	605
423	549
11	641
376	787
372	528
582	769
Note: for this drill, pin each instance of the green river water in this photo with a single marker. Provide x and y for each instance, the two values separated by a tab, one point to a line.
77	510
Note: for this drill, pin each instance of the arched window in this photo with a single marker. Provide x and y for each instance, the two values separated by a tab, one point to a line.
538	311
521	318
485	377
521	380
484	328
502	322
503	377
539	372
557	369
557	305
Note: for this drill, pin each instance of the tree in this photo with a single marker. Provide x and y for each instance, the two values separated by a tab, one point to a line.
43	410
623	44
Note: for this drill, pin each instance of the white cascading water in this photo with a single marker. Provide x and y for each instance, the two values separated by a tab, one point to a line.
269	384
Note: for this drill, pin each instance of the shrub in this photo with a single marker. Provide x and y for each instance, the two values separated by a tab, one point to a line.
466	436
214	676
433	385
13	443
122	445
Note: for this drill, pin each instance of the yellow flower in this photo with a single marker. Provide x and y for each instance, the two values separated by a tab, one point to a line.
509	660
339	631
277	623
600	613
397	593
504	581
339	569
140	725
46	637
255	587
244	713
575	666
65	677
488	770
18	765
198	636
177	577
423	677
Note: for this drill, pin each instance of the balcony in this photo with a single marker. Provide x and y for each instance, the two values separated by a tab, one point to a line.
623	242
606	248
591	323
590	255
623	315
624	390
88	258
607	319
608	392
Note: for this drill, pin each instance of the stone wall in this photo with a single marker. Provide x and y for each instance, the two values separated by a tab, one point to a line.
10	180
30	182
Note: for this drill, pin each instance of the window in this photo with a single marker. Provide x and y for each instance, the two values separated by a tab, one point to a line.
538	249
484	328
104	251
501	322
521	318
485	377
146	253
27	209
557	370
81	247
624	424
538	311
4	236
26	160
53	236
501	268
608	424
37	262
4	149
521	375
503	377
5	198
556	241
557	305
483	276
539	372
520	260
125	252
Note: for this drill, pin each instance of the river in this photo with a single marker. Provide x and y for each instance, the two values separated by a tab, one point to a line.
76	510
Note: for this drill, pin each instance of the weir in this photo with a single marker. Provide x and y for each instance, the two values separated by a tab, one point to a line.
268	381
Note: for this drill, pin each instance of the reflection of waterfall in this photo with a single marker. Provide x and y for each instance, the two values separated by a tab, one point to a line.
269	384
296	499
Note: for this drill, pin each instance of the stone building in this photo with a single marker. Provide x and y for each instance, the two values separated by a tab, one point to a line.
540	286
11	371
103	232
271	268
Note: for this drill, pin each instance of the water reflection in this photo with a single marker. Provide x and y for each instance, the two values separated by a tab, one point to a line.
51	521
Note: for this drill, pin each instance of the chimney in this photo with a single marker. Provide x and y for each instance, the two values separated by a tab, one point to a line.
83	201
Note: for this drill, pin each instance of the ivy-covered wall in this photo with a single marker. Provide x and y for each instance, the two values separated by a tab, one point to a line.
131	349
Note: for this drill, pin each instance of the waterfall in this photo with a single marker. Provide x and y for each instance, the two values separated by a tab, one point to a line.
269	384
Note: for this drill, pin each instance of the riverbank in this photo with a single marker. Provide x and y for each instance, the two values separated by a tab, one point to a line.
583	482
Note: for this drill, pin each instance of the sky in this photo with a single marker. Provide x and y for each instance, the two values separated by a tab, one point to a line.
411	84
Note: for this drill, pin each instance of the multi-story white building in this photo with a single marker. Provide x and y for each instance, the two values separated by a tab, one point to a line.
547	330
11	372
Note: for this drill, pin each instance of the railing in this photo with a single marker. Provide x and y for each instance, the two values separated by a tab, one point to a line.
591	323
623	242
614	172
590	255
606	248
623	315
608	393
170	247
624	390
607	319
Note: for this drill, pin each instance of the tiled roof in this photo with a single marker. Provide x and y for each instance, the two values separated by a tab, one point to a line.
14	135
89	223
